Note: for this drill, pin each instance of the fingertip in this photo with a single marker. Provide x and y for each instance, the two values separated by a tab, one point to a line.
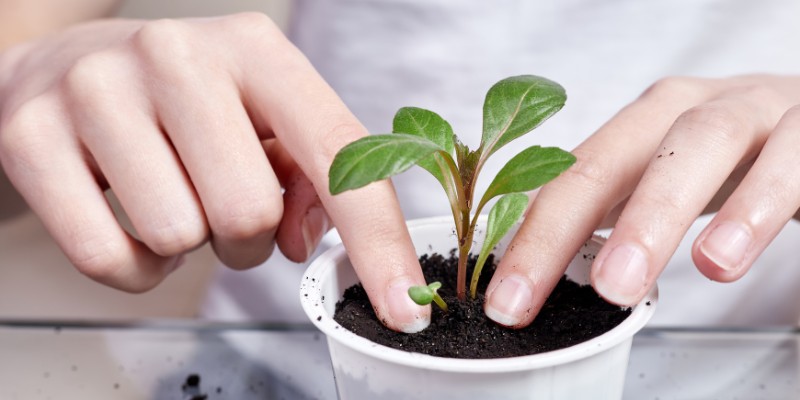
711	270
620	276
510	302
147	274
244	256
313	227
721	251
403	314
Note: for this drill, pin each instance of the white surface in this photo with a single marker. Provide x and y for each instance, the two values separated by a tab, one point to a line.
37	364
142	364
278	10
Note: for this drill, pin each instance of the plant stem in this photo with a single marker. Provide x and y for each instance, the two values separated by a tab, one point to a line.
461	283
464	246
476	275
462	222
439	301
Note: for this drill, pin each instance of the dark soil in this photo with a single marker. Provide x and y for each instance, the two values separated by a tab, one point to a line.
571	315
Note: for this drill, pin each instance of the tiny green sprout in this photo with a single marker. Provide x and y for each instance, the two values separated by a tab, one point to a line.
513	107
424	295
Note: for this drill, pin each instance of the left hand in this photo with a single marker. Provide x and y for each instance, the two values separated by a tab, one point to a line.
685	147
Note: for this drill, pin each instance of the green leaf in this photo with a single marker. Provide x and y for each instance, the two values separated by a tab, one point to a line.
531	168
515	106
377	157
424	123
421	295
429	125
424	295
505	213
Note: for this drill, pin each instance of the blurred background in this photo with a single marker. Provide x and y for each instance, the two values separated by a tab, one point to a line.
37	281
278	10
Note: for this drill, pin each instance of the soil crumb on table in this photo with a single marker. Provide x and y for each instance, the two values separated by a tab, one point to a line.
191	388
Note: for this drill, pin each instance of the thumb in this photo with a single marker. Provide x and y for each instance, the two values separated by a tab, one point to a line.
304	220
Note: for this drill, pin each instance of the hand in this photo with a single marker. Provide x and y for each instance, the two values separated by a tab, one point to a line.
171	115
685	146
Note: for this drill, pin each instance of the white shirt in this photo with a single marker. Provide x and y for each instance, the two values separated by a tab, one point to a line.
443	55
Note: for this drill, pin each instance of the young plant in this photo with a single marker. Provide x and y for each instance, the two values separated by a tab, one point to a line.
513	107
424	295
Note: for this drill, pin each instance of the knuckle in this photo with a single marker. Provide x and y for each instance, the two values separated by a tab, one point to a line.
715	120
166	43
760	95
792	115
245	217
671	86
97	257
794	111
250	22
671	203
106	260
91	76
173	239
334	139
23	139
589	171
262	36
756	92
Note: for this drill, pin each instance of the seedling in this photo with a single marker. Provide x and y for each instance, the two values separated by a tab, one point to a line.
424	295
513	107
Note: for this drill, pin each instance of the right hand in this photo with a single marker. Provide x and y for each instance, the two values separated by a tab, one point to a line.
170	115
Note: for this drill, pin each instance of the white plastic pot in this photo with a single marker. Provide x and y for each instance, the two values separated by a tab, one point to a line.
594	369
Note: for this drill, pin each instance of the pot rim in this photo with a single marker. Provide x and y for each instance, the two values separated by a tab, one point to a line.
314	308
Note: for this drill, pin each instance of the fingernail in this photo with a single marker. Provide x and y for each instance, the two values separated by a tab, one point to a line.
622	275
510	302
408	316
727	244
314	226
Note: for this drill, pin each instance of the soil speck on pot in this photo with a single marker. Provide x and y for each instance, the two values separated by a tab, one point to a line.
571	315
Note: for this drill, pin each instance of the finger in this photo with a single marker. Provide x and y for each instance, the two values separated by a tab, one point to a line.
312	124
134	156
201	110
305	220
713	138
571	207
45	163
758	209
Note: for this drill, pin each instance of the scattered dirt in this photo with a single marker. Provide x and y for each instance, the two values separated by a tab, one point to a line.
191	388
